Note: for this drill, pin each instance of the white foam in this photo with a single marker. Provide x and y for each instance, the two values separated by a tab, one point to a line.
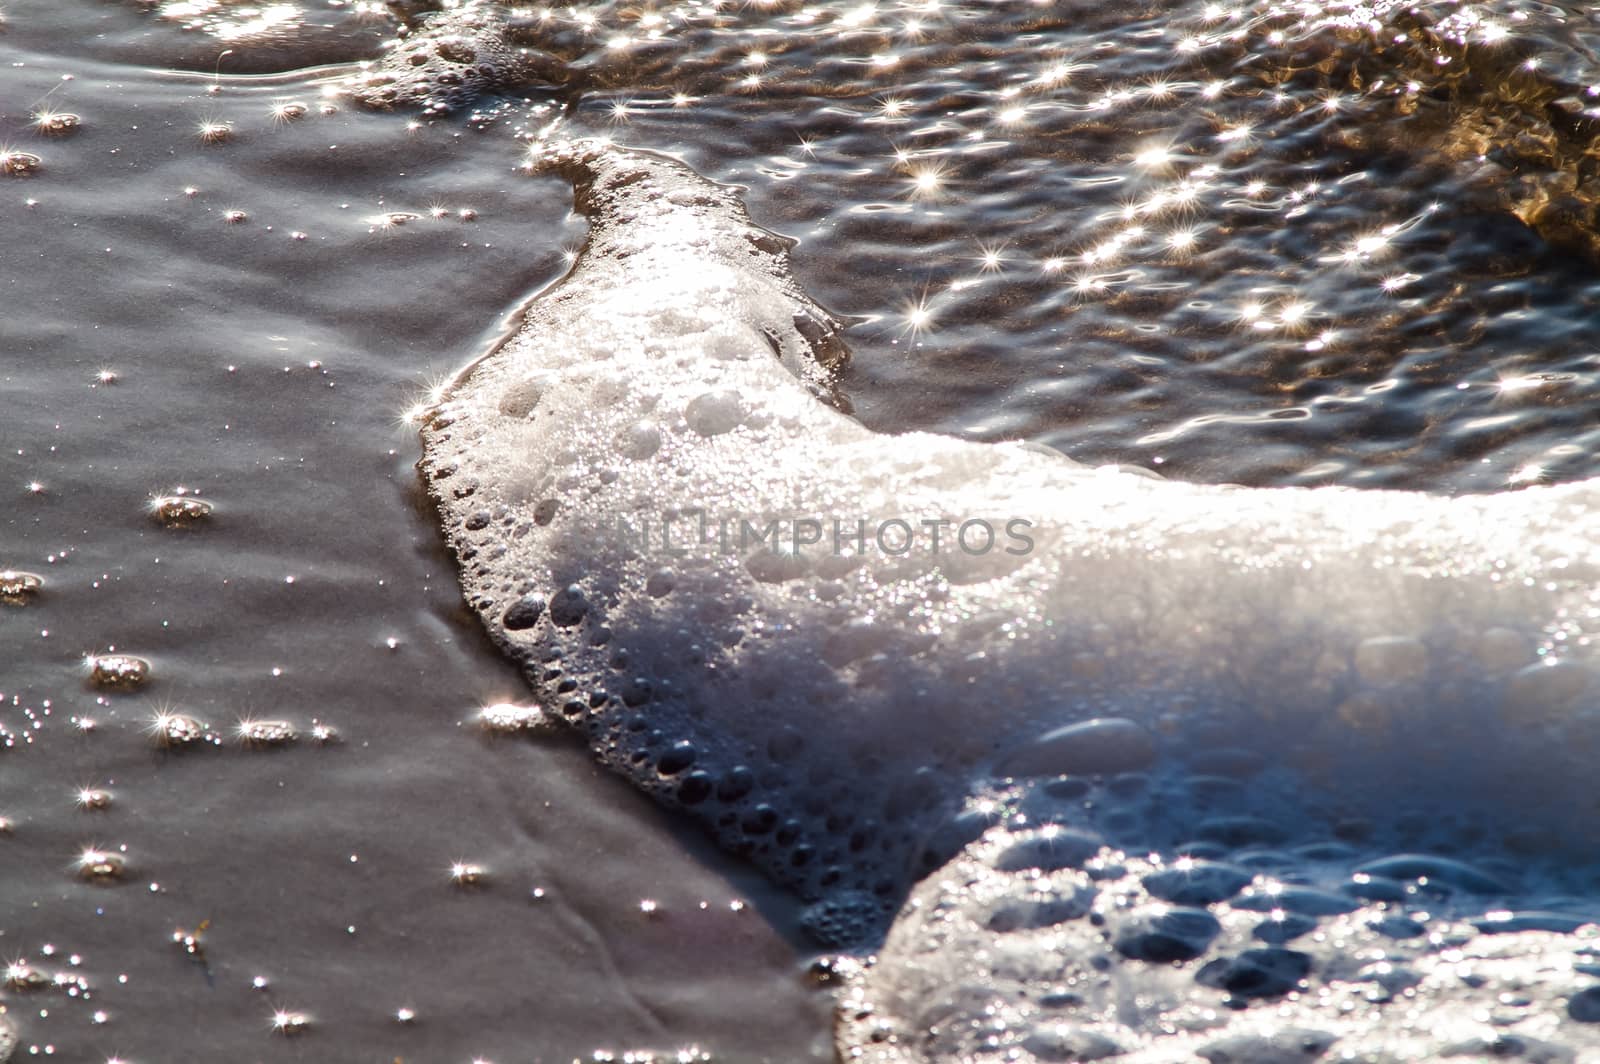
621	457
445	59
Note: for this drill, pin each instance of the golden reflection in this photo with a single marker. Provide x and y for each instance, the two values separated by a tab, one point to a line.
927	179
212	131
1155	157
1181	240
89	798
467	874
282	112
55	123
991	258
918	317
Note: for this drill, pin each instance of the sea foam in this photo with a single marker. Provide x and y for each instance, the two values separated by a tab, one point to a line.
734	589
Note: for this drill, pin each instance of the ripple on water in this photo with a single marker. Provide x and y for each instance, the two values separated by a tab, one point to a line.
1251	242
1244	242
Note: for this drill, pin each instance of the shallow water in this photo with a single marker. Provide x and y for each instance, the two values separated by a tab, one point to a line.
1060	222
266	374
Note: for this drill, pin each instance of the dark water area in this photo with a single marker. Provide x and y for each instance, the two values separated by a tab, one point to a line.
1198	239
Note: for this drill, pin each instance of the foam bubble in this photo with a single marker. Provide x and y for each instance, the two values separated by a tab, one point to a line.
180	511
118	672
173	730
17	588
96	865
266	734
508	718
19	163
1103	745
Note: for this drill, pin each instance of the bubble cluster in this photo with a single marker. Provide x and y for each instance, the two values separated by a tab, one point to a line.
444	59
15	163
1323	951
180	510
507	718
117	672
173	730
56	123
17	588
266	734
98	865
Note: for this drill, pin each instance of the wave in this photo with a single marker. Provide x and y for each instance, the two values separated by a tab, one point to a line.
742	596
